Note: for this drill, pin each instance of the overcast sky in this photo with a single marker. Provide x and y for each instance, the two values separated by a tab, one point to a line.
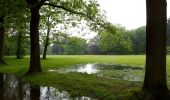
128	13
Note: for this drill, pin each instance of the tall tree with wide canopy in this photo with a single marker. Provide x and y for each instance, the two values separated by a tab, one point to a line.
155	75
86	9
34	6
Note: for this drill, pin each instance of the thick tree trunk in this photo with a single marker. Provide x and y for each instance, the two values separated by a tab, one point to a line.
18	52
155	75
2	38
47	40
35	65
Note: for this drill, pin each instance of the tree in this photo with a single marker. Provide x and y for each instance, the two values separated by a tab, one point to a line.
34	6
21	26
76	45
50	19
86	9
92	46
155	75
47	38
57	49
2	38
138	38
9	9
114	43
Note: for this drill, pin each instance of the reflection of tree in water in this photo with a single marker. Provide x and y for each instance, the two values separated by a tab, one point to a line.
13	89
50	93
35	92
1	87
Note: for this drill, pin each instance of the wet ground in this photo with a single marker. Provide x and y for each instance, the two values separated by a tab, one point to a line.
121	72
12	88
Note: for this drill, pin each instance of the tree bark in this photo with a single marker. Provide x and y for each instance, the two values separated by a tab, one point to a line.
35	65
155	75
47	40
2	38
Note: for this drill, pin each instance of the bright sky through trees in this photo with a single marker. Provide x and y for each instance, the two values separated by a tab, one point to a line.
128	13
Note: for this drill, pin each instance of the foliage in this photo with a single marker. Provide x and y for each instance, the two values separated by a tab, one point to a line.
57	49
70	45
114	43
75	45
138	38
17	38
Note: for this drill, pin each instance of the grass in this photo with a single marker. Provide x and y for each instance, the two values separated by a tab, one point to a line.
79	84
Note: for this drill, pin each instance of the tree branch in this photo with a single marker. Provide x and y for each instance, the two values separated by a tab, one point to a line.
97	22
66	9
42	2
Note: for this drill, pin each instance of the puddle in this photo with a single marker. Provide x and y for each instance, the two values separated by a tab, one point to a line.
13	89
122	72
87	68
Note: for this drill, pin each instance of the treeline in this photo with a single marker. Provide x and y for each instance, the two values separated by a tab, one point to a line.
120	42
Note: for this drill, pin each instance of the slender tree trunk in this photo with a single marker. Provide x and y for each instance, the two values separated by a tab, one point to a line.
155	75
47	40
2	38
18	52
35	65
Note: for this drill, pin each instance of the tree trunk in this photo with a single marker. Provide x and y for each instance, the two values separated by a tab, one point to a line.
2	38
155	75
47	40
35	65
18	52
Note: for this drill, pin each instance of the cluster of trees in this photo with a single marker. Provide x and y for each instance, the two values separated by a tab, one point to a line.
122	41
22	21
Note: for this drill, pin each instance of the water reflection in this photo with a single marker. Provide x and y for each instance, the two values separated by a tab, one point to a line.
123	72
1	87
13	89
87	68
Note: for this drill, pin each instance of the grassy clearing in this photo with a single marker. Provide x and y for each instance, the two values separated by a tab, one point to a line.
78	84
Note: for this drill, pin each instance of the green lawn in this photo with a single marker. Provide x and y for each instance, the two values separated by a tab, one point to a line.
78	84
